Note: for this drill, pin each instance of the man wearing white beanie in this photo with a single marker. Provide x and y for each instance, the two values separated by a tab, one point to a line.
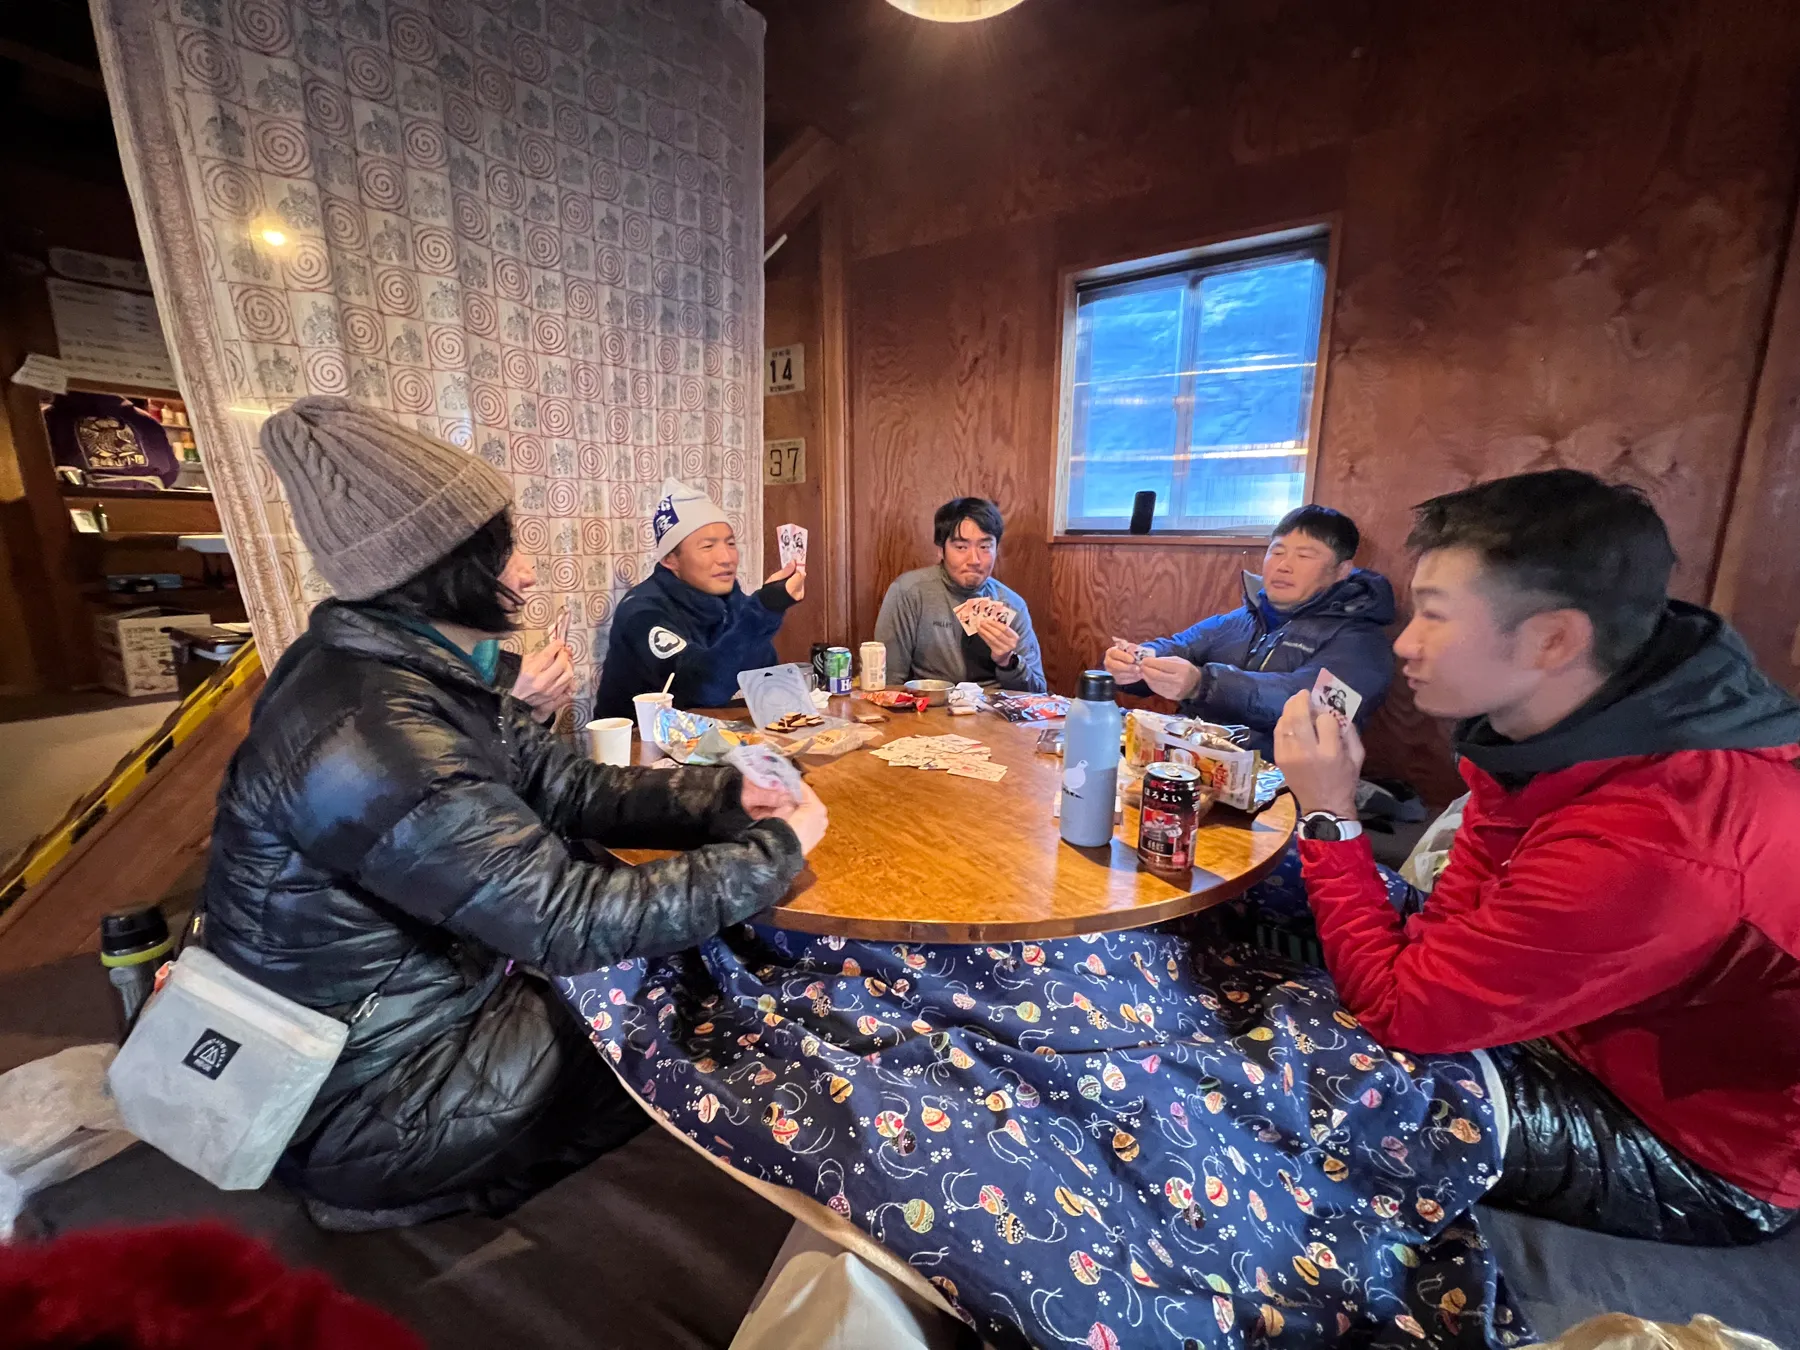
689	618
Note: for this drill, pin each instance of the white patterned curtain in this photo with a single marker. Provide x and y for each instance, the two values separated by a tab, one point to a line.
532	228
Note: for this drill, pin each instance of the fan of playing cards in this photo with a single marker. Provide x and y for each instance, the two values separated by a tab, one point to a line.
790	540
971	613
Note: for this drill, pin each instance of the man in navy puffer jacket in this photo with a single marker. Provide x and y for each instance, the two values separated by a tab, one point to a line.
689	626
1312	608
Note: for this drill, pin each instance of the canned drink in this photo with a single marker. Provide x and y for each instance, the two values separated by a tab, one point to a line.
874	666
1169	817
837	669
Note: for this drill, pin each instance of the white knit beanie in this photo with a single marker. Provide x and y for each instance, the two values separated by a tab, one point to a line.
375	502
679	512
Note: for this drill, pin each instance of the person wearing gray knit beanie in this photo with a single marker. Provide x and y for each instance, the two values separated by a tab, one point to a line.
378	504
375	502
400	846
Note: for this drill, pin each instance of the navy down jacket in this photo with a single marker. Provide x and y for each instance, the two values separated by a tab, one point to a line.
1249	670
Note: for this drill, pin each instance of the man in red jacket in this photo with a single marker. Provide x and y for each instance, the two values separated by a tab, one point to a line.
1619	921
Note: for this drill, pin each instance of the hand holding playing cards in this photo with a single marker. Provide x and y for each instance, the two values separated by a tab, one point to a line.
1001	640
546	679
807	818
1171	676
1126	666
794	573
1320	754
760	801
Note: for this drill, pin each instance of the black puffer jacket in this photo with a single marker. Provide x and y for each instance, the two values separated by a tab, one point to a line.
390	841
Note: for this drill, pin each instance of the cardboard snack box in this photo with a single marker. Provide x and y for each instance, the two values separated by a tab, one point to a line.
136	656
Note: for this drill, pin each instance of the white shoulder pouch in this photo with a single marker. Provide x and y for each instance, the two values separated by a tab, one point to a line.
219	1072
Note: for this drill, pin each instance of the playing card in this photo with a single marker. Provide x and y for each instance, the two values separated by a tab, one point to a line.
559	630
1135	650
966	615
986	772
762	766
791	541
1330	694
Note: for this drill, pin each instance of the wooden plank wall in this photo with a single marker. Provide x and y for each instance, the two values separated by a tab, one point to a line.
1560	227
791	306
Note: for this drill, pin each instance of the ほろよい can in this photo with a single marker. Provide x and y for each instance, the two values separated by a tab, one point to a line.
1169	817
837	669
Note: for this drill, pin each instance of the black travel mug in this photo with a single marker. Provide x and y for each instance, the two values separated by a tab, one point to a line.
133	945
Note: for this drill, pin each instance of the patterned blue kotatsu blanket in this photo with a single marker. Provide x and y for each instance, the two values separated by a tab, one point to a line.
1151	1138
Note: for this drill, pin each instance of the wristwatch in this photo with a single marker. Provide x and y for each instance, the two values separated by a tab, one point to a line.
1324	826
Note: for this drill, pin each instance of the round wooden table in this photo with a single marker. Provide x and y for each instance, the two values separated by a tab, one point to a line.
916	855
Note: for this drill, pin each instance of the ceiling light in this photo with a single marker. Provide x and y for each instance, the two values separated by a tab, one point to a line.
954	11
274	238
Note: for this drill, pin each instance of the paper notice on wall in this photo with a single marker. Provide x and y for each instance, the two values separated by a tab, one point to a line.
43	372
100	269
109	336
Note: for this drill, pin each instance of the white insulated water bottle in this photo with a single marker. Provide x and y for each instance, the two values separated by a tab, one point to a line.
1090	783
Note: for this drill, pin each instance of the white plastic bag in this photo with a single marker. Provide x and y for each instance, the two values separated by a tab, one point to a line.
1619	1331
219	1072
56	1120
1431	855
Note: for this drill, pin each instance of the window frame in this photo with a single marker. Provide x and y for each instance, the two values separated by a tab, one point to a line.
1221	248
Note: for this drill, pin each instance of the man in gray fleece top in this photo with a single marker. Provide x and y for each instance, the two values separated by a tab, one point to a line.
918	623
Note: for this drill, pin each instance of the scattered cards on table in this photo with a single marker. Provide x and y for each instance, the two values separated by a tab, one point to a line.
956	755
791	541
1330	694
762	766
971	613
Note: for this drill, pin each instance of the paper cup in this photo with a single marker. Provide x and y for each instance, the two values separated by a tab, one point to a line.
609	740
874	666
648	705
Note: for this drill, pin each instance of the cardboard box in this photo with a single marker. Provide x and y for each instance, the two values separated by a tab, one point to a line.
136	657
1229	774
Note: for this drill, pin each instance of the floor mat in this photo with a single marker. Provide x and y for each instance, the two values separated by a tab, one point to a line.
648	1246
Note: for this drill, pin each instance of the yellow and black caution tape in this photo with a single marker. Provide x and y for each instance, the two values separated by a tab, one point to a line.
36	862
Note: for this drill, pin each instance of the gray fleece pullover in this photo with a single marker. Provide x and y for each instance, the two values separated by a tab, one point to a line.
924	640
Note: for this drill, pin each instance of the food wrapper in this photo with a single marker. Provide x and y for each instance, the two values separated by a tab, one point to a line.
1016	707
895	700
694	738
837	737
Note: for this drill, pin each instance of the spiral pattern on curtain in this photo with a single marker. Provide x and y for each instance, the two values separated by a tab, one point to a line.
530	227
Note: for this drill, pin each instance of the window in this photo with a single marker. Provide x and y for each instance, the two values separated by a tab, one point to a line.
1192	376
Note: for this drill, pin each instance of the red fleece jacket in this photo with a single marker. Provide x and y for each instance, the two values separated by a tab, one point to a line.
1643	912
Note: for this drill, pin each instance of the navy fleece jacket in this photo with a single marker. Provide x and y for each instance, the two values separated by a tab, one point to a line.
665	625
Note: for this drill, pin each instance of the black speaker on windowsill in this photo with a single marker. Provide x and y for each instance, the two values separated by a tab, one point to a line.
1143	507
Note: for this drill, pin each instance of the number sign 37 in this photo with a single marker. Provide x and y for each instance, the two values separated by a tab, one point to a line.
784	462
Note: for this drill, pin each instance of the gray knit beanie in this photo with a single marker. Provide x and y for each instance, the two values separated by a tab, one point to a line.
376	503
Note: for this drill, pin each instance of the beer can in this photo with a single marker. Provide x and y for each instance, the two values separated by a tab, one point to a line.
837	669
874	666
1169	817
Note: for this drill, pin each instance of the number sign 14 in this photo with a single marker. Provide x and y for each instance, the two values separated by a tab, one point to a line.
785	372
784	462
